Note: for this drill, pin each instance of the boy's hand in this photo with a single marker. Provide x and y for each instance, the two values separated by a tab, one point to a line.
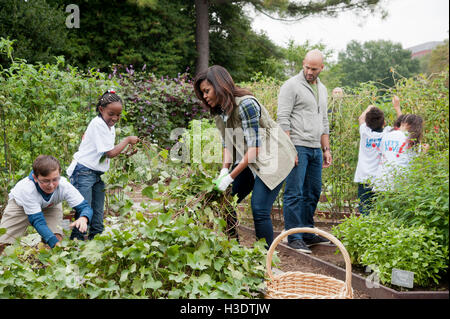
81	224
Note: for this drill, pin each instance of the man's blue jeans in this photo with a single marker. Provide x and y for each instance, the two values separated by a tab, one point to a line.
302	191
91	186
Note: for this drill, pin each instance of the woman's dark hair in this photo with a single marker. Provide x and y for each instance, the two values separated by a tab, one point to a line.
224	88
109	96
375	118
415	125
43	165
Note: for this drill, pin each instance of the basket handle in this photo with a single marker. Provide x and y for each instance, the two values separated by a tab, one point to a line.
334	240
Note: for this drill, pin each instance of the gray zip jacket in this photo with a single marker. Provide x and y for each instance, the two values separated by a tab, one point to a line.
300	113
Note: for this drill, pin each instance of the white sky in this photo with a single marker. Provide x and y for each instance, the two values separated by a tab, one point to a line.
409	22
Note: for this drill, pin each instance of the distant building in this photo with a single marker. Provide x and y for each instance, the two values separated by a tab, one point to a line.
420	50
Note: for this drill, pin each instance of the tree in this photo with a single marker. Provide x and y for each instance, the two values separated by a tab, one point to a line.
295	54
438	61
277	9
235	46
291	63
375	61
156	33
38	28
161	34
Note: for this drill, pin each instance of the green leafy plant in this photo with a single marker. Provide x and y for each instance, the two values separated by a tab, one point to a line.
421	197
380	241
408	225
45	110
156	106
137	258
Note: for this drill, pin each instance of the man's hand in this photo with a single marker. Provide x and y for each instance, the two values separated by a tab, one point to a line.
81	224
327	159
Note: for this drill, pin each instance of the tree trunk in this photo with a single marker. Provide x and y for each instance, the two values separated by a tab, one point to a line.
202	35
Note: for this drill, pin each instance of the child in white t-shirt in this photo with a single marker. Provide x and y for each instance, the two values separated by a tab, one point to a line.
371	132
93	158
398	147
36	201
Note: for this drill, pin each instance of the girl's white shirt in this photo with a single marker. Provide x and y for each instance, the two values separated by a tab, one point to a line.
395	158
97	140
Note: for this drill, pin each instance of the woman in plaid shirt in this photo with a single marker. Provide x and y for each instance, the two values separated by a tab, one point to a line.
260	151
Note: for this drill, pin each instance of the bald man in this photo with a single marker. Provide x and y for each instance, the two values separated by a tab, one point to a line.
302	114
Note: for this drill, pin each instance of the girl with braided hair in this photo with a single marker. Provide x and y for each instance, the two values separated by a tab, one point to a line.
93	158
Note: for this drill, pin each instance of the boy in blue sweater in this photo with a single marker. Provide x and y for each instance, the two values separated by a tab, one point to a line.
36	201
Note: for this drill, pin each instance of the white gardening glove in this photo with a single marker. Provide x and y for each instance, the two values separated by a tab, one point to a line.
223	172
223	182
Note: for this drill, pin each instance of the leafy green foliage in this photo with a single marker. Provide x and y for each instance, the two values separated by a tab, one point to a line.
137	258
380	241
428	97
266	90
158	35
421	197
156	106
45	110
235	46
38	26
438	60
374	61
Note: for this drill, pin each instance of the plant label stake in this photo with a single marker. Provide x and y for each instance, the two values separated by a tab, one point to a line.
402	278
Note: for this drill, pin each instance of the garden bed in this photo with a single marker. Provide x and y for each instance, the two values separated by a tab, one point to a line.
324	260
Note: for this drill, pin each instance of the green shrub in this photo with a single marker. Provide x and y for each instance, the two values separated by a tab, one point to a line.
156	106
266	90
422	196
137	258
384	243
408	226
45	109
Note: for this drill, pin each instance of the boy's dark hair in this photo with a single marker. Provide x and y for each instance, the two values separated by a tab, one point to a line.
109	96
43	165
415	125
375	118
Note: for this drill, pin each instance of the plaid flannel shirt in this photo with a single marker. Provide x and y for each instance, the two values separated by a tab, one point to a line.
250	113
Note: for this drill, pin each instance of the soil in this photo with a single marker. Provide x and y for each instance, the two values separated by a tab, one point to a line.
293	263
328	254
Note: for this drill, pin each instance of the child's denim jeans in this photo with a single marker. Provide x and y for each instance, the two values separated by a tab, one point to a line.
90	185
365	195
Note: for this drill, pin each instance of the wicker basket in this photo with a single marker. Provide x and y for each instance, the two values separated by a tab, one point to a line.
299	285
